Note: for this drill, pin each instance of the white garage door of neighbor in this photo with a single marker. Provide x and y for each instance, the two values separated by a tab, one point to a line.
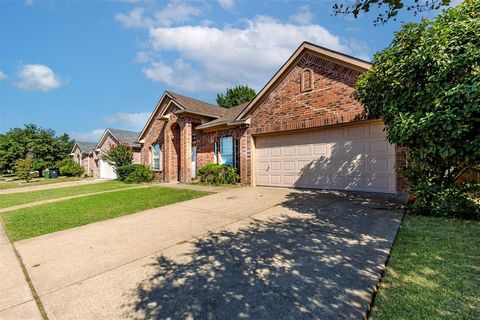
107	171
355	157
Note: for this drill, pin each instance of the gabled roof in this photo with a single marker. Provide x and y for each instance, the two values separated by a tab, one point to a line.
331	55
122	136
197	106
227	118
84	146
186	104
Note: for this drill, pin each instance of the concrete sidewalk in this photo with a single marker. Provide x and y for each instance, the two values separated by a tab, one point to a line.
55	185
253	252
16	299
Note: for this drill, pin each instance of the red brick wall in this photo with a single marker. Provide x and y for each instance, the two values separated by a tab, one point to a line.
330	100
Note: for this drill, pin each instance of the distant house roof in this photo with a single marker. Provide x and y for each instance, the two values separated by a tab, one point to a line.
84	146
126	137
197	106
227	118
185	104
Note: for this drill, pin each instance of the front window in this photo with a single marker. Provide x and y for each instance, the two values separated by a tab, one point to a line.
226	150
156	151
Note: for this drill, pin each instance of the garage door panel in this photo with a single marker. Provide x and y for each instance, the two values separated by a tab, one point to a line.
289	180
356	132
346	158
289	165
380	164
289	151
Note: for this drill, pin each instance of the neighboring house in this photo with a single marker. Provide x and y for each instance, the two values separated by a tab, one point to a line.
89	154
82	153
110	138
303	129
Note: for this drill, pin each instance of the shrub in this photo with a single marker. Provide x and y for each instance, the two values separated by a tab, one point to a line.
218	174
134	173
119	155
24	169
457	200
68	167
426	88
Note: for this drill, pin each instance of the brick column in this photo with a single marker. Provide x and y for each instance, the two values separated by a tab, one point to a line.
186	150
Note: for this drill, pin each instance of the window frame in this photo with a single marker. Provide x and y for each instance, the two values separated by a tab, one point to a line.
156	157
234	153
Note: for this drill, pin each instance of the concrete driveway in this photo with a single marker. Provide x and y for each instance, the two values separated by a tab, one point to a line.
258	253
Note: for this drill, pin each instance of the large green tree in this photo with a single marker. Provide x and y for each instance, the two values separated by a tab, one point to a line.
235	96
426	87
42	145
387	9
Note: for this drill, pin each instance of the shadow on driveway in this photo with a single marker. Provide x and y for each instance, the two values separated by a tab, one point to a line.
318	255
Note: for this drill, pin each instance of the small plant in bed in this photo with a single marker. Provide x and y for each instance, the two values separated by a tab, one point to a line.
213	173
134	173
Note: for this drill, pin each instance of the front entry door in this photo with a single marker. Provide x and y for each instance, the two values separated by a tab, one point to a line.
194	162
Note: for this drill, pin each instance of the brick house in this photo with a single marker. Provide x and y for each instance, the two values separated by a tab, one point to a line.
81	153
303	129
89	155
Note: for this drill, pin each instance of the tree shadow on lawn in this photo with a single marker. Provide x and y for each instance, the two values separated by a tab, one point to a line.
312	261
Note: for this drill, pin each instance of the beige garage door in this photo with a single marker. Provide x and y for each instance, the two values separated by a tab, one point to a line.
354	157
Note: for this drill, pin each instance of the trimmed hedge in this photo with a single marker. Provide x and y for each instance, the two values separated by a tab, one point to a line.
218	174
134	173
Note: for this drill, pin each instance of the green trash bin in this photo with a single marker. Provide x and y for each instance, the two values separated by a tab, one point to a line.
46	175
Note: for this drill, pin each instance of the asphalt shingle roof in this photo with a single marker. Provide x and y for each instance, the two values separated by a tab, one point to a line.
197	106
127	137
85	146
228	116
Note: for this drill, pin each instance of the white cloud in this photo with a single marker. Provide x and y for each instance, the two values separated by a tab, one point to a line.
303	17
172	13
227	4
3	76
176	12
134	121
133	19
211	58
37	77
28	2
93	135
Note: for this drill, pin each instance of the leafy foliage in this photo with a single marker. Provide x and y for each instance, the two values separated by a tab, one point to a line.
23	168
235	96
32	141
426	87
392	7
218	174
68	167
119	155
134	173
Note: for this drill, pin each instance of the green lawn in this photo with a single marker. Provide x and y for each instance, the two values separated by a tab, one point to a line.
36	182
14	199
51	217
433	272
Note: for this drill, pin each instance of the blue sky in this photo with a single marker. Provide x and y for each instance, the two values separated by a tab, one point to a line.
81	66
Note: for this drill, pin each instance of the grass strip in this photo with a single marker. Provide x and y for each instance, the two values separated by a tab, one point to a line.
31	222
433	271
15	199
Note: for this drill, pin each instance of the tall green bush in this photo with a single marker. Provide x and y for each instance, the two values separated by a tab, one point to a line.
23	168
426	88
119	155
69	168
